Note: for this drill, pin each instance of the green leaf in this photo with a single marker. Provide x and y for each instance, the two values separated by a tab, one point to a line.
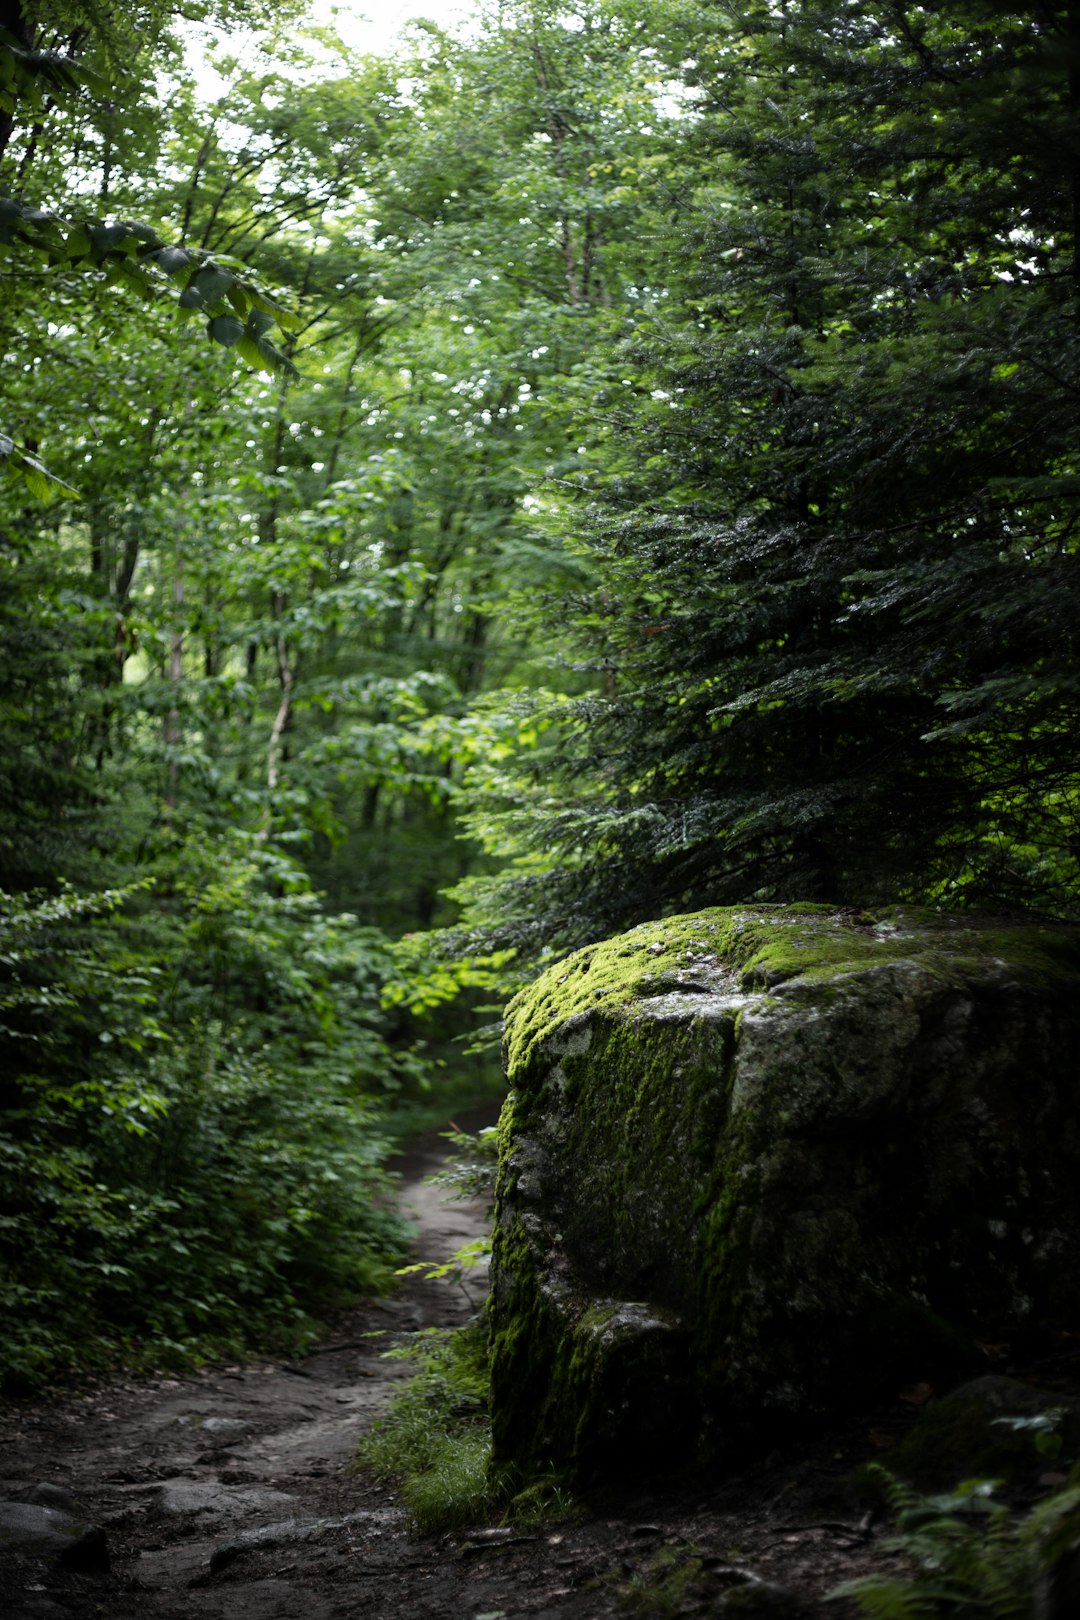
226	329
77	242
36	478
283	317
170	259
248	350
106	239
212	283
130	274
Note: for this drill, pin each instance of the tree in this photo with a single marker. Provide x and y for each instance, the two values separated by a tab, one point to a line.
193	1050
242	663
835	621
89	65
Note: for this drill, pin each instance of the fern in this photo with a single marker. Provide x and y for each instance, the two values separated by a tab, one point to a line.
971	1558
889	1599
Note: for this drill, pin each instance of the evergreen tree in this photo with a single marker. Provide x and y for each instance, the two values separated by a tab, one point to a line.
835	629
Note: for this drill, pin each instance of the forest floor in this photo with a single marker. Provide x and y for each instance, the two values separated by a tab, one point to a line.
234	1493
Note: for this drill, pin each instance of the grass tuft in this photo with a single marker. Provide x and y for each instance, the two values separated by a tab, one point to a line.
455	1488
435	1441
436	1437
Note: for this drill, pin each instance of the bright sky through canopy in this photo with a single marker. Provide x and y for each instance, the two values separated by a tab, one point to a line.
375	26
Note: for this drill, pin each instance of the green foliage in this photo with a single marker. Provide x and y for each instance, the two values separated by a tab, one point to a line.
236	675
239	310
133	254
472	1164
189	1154
231	689
33	77
830	522
971	1555
1043	1429
435	1439
957	1434
674	328
41	484
454	1488
476	1253
470	1171
44	71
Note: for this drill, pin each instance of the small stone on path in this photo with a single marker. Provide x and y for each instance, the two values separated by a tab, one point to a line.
223	1501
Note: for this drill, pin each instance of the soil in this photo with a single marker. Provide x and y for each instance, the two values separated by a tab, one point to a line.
233	1493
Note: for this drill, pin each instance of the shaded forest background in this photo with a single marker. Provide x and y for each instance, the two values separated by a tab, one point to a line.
455	506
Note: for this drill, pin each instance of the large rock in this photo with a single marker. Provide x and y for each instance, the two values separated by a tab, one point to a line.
759	1164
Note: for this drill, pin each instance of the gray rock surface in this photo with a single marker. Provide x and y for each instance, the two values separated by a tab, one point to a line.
289	1532
224	1431
760	1163
218	1501
31	1529
54	1496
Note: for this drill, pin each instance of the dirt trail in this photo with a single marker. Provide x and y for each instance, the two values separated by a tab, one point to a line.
232	1494
248	1464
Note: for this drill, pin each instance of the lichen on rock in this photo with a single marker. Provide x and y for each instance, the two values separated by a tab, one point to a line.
758	1162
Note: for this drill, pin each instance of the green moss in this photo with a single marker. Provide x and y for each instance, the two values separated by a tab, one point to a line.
773	1155
963	1436
660	1104
597	1318
757	949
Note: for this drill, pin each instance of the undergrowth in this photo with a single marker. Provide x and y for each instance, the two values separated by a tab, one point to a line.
435	1442
436	1439
973	1558
194	1074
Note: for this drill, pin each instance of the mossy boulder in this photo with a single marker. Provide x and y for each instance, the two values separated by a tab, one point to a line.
990	1428
759	1164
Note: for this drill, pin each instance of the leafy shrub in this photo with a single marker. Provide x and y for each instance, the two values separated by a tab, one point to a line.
472	1164
190	1110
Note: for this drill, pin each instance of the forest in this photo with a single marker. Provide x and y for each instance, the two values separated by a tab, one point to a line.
614	458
